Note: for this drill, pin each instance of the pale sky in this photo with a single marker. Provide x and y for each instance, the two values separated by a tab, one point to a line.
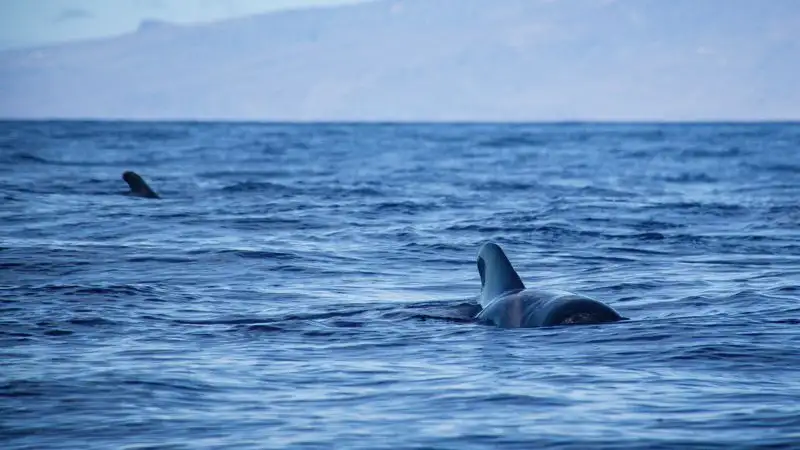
31	22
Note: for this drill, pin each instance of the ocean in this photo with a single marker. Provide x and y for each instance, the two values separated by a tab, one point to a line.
314	285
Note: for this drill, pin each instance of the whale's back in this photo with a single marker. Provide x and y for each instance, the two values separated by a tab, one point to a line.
542	308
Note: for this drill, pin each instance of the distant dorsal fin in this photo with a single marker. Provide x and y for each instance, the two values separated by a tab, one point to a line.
497	274
138	186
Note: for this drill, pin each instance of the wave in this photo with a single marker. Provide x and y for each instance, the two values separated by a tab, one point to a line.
691	178
408	207
261	186
523	140
24	158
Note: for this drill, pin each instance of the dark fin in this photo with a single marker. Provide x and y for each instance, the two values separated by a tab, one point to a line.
138	186
497	274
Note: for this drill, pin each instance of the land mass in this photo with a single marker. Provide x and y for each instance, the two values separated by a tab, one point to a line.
431	60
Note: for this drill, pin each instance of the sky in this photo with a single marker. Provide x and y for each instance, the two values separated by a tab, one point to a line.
25	23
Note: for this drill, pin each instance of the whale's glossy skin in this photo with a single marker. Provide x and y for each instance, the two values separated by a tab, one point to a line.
507	303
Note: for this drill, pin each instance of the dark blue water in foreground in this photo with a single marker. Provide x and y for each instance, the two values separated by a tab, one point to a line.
312	286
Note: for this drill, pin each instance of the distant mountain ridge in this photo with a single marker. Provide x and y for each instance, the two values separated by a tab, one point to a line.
423	60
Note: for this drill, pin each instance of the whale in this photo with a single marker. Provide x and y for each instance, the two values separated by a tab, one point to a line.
506	303
138	186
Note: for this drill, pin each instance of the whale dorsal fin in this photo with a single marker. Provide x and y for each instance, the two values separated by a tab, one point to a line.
138	186
497	274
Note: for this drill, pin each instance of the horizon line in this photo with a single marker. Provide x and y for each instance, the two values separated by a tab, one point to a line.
718	121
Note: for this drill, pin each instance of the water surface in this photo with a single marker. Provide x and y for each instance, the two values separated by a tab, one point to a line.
312	286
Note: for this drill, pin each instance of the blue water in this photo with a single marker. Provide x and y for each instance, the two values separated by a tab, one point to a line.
313	286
